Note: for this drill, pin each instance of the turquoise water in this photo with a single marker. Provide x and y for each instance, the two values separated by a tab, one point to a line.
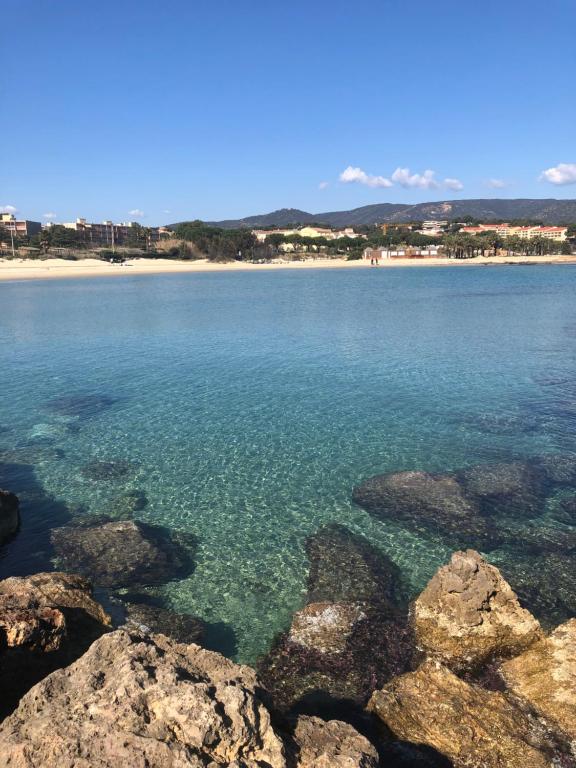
252	404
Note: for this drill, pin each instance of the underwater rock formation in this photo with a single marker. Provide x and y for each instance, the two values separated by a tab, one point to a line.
81	406
107	470
544	679
426	503
473	727
468	614
325	627
127	504
150	618
123	553
46	621
9	515
515	489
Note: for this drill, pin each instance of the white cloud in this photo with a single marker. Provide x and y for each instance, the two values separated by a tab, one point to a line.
454	184
8	209
137	213
563	173
49	215
166	210
424	180
496	183
323	184
358	176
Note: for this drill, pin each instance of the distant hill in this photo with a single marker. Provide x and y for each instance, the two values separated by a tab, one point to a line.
548	211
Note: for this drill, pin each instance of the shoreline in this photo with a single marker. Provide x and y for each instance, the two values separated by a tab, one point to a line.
28	269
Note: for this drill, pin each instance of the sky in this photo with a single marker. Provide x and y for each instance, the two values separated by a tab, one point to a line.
168	111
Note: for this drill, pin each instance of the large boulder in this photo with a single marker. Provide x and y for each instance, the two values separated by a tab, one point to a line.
318	743
46	621
9	515
515	489
150	618
544	678
325	627
468	614
143	700
345	567
426	503
472	727
123	553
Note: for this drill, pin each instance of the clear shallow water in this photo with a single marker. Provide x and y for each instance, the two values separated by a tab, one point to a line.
252	404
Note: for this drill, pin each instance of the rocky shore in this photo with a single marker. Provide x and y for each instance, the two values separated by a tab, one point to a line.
463	675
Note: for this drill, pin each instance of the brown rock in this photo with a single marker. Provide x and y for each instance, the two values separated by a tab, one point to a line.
330	744
468	614
544	678
325	627
46	621
142	700
471	726
9	515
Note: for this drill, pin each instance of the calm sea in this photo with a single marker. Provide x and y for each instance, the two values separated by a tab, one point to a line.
252	404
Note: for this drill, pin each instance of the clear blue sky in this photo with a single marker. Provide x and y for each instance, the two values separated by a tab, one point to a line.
223	108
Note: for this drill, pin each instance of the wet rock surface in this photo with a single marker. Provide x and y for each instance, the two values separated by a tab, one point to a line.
46	621
426	503
123	553
150	618
143	700
9	515
107	470
468	614
472	727
325	627
544	678
516	489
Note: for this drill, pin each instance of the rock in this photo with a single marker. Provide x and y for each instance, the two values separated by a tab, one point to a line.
330	744
31	454
472	727
559	469
537	538
544	678
426	503
46	621
82	406
141	700
516	489
107	470
123	553
566	511
345	567
9	515
127	504
149	618
468	614
325	627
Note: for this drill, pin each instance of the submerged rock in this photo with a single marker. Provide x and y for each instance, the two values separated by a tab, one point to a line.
472	727
150	618
468	614
83	406
123	553
426	503
46	621
566	511
107	470
537	538
345	567
31	454
559	469
127	504
325	627
9	515
516	489
318	743
142	700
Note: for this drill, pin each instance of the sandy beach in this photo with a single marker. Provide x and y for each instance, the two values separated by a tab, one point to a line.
27	269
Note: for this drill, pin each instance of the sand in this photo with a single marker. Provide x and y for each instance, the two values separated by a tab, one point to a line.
27	269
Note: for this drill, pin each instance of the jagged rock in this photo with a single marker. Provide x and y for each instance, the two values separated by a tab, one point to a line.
345	567
9	515
516	488
122	553
325	627
468	614
179	626
425	503
46	621
544	678
80	406
330	744
472	727
107	470
141	700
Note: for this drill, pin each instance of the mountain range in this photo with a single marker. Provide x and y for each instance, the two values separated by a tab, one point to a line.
549	211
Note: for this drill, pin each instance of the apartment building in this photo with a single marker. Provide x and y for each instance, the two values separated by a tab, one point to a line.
329	234
506	230
20	227
109	234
